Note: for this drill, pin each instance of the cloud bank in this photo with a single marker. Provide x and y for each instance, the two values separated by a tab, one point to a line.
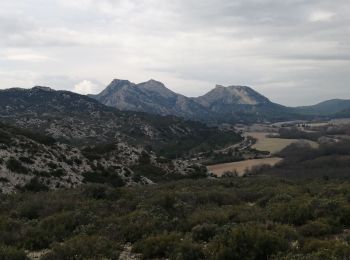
296	52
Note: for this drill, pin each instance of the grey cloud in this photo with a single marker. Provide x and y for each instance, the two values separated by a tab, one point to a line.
275	46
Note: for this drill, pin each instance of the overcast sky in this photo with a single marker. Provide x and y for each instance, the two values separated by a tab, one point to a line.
295	52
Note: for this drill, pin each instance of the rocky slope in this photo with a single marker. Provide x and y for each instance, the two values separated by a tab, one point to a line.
61	139
221	105
151	97
232	104
29	161
241	104
80	120
232	95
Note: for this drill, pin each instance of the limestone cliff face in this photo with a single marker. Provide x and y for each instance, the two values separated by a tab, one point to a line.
222	104
232	95
150	97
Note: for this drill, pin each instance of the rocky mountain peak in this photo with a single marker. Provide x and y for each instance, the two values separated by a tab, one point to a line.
232	95
114	89
223	103
151	96
156	87
118	83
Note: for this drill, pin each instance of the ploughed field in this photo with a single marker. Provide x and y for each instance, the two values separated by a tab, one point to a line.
241	167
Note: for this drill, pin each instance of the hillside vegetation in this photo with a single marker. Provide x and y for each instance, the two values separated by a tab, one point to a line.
240	218
299	210
36	162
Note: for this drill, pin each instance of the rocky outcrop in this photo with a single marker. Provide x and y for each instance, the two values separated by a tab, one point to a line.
221	105
150	97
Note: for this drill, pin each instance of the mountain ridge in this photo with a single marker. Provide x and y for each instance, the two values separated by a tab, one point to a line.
151	97
331	106
86	141
231	104
79	119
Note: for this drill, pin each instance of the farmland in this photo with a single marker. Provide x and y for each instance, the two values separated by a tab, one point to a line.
274	145
241	167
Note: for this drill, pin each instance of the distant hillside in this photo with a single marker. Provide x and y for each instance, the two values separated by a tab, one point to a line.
343	114
242	104
223	104
79	120
36	162
326	108
150	97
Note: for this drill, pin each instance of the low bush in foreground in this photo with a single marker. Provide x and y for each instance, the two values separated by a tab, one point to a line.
257	217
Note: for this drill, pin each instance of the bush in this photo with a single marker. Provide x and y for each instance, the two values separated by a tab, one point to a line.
294	212
204	232
26	160
315	229
104	177
327	249
213	215
4	180
150	171
16	166
85	247
57	172
187	250
95	191
96	152
5	137
37	239
134	226
12	253
35	185
247	242
158	246
11	232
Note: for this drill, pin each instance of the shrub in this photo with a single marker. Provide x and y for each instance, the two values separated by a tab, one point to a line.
327	249
187	250
85	247
101	192
3	179
247	242
204	232
26	160
315	229
16	166
158	246
150	171
294	212
197	171
145	158
104	176
11	231
35	185
95	152
58	172
213	215
134	226
37	239
12	253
